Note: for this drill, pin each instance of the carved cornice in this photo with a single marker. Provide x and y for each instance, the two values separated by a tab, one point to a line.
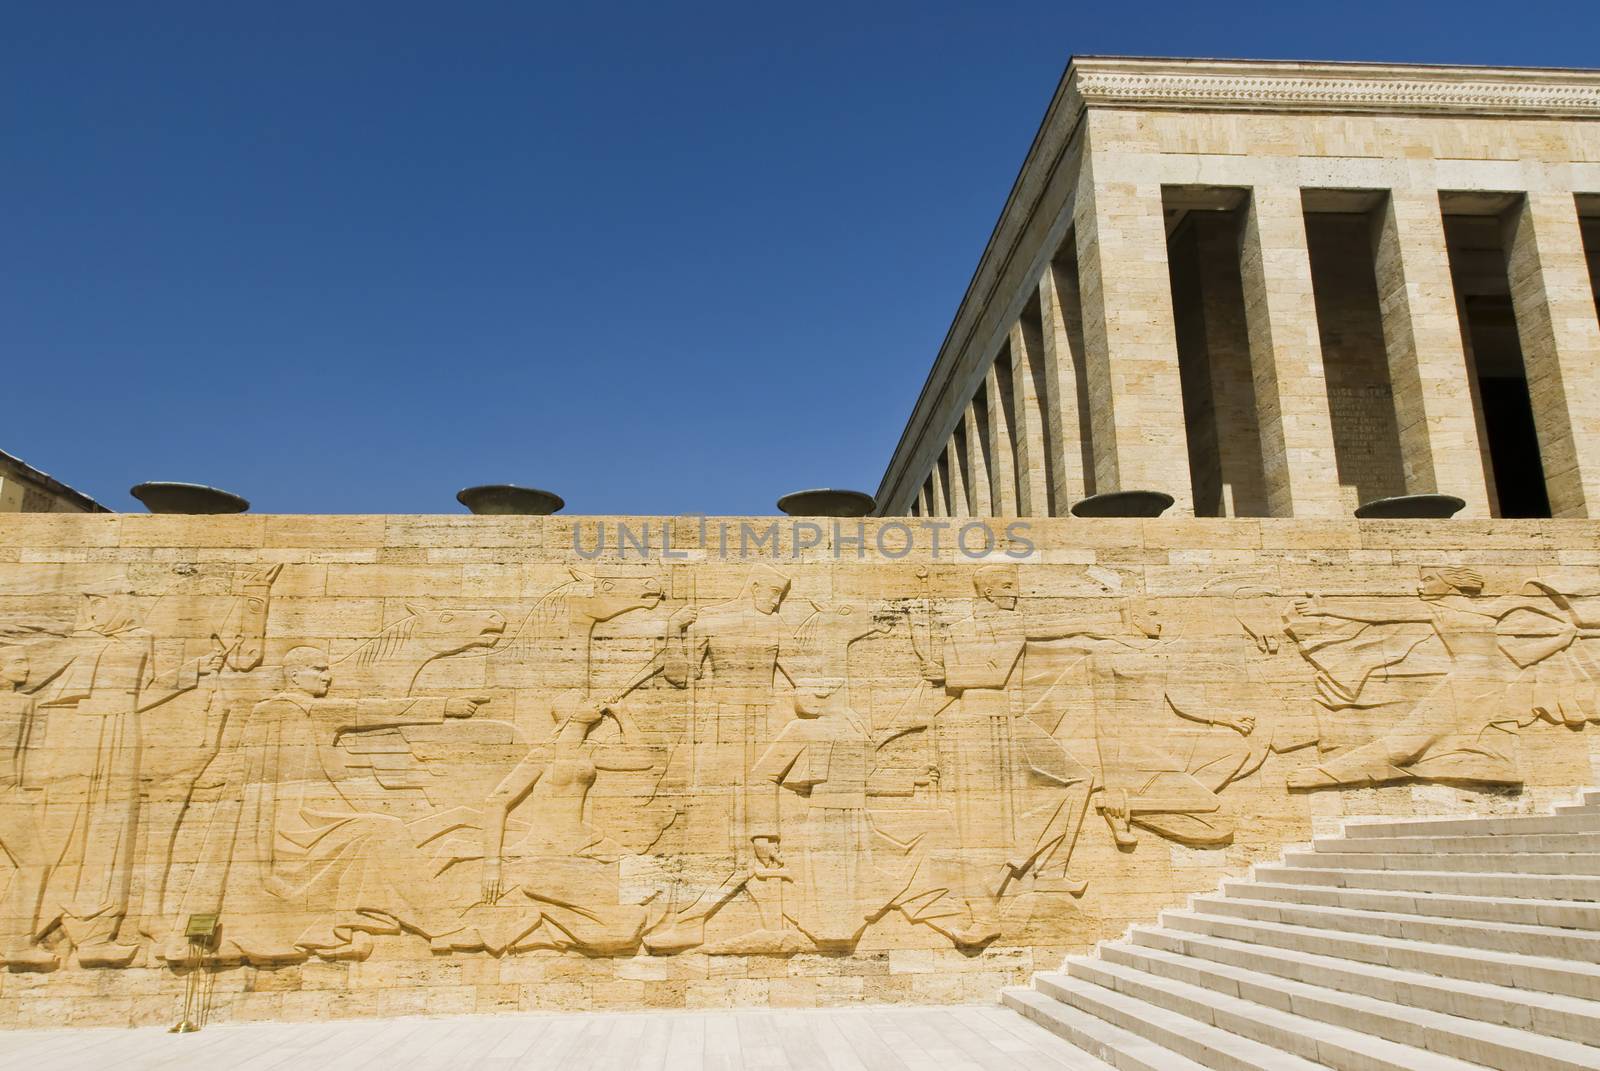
1358	88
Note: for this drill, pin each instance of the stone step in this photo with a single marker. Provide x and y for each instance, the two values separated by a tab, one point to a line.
1567	977
1448	1035
1417	944
1547	941
1279	1031
1588	802
1570	1018
1468	883
1184	1036
1475	827
1574	843
1526	911
1107	1044
1585	863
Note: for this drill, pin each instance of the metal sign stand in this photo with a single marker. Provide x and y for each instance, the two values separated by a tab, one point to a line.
201	931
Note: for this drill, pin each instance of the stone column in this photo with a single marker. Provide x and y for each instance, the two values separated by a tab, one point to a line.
1002	456
1062	328
1560	337
977	466
1489	489
1130	343
920	509
936	495
1033	473
958	485
1439	447
1297	455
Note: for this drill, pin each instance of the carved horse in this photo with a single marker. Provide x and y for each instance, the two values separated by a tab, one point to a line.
410	645
553	647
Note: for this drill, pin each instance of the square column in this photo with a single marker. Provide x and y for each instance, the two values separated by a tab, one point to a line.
938	501
1554	305
1291	388
977	466
958	485
1027	408
1130	343
1062	321
921	507
1439	444
1002	458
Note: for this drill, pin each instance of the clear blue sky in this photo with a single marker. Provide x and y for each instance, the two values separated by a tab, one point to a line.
658	258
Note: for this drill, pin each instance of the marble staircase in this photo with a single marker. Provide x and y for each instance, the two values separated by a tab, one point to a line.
1443	943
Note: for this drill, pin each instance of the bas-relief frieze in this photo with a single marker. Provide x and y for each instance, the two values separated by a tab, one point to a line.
724	759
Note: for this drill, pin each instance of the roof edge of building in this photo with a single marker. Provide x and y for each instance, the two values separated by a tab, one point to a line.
53	485
1321	86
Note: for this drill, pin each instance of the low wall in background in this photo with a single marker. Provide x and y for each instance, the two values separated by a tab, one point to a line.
398	765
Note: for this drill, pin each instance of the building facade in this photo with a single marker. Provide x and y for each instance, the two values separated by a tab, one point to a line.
1280	290
24	489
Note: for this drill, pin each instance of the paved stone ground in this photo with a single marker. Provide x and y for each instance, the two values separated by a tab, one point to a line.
863	1039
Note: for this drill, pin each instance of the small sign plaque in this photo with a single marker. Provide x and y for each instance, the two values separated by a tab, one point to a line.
201	926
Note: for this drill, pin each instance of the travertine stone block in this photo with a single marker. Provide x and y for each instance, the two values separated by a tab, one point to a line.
1002	446
781	762
1553	295
1427	363
977	461
1071	454
1291	389
1027	378
1130	345
955	464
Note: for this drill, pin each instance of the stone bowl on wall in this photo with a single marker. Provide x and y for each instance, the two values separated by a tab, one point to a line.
507	499
1414	507
163	496
1123	504
827	502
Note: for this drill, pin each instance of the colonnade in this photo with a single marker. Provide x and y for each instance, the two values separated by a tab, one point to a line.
1084	394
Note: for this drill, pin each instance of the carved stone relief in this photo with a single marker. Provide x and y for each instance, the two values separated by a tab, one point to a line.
712	762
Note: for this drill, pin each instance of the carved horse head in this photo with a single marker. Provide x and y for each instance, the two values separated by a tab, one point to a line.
437	633
451	631
244	630
592	599
824	638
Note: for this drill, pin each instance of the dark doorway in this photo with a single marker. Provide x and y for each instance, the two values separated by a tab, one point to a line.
1513	446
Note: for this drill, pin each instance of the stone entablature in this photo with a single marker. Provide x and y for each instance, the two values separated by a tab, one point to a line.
1078	363
1348	88
411	764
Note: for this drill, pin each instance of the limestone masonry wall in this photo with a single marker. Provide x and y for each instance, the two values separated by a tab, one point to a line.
391	765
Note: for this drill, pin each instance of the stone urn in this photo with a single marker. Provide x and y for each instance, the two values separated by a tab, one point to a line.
1123	504
509	500
827	502
1410	507
162	496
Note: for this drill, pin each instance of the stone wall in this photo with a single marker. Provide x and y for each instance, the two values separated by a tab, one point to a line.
392	765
